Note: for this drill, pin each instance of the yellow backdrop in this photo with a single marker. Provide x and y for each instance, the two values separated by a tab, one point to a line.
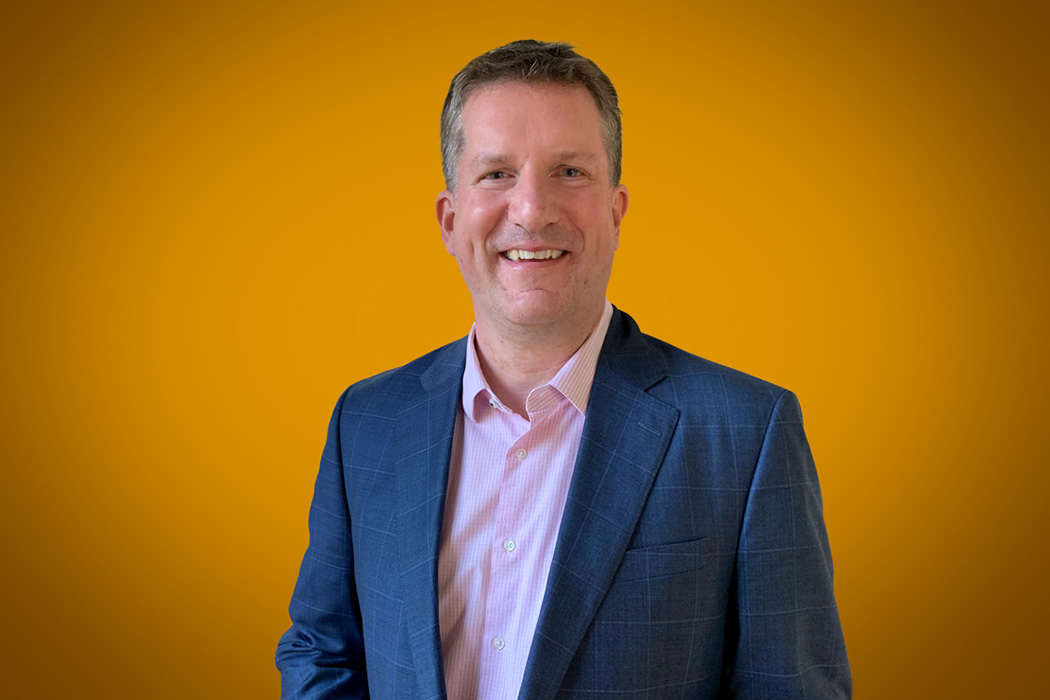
210	211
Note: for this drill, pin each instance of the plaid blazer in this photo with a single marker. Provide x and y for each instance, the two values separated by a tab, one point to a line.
692	559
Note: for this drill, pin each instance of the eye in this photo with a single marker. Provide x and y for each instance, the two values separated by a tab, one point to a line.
572	172
494	175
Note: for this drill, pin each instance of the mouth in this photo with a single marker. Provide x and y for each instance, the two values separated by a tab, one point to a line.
518	254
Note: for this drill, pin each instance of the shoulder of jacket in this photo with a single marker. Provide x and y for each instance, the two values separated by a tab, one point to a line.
692	375
394	386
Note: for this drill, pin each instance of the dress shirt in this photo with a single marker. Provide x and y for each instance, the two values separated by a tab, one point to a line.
508	480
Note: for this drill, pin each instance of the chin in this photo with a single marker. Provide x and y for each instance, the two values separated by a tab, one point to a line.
540	310
536	318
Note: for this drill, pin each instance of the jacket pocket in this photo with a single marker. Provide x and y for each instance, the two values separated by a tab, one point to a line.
661	560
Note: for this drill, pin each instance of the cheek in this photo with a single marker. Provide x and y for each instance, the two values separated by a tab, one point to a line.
591	208
597	224
486	208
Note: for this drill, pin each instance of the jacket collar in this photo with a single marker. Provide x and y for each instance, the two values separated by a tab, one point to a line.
625	437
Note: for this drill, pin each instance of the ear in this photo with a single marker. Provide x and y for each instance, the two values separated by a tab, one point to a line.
619	208
446	215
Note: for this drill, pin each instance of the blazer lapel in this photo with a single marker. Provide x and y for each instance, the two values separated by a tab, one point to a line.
625	438
422	451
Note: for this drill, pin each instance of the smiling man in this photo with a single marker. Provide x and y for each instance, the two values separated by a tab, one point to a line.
533	219
558	505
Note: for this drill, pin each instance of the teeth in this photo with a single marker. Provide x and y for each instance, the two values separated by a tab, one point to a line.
533	254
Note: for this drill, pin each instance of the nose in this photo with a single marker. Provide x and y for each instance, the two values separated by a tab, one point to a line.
532	203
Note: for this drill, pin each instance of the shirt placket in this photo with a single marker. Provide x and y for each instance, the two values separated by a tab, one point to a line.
502	656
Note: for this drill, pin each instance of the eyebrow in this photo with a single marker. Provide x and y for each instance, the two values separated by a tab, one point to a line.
587	156
486	159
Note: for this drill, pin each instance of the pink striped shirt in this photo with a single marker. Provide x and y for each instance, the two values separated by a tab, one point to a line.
507	485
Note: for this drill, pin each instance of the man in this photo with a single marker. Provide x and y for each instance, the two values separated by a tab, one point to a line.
558	505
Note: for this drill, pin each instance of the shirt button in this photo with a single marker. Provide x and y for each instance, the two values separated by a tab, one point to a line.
492	402
509	545
498	643
521	453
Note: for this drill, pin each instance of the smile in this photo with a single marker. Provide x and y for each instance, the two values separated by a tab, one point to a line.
532	254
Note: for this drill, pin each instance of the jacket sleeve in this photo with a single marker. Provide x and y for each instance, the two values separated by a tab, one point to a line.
322	656
788	642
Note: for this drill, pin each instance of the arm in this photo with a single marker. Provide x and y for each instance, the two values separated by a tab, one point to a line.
789	642
322	655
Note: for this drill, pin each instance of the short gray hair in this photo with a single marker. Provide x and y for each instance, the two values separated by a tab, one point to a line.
529	61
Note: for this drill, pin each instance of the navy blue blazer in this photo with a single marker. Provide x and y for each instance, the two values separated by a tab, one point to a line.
692	559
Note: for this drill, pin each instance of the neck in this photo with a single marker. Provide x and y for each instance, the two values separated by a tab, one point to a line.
516	362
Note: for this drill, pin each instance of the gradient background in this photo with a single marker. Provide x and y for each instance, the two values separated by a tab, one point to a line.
209	211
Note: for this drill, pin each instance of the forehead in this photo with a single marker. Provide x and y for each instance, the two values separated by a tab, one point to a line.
515	115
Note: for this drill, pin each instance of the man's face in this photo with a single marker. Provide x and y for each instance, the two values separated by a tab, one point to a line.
534	220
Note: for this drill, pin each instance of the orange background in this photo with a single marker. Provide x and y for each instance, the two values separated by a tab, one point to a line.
215	216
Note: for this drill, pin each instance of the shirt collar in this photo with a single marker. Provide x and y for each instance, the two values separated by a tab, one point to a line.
573	380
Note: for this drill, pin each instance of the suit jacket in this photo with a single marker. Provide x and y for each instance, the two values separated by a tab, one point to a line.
692	559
